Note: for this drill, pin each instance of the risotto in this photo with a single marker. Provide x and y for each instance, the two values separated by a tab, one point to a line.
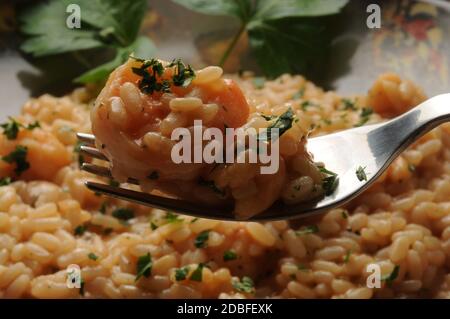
49	220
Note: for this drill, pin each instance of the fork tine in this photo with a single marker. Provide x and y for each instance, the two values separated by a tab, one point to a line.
86	138
93	152
104	172
176	205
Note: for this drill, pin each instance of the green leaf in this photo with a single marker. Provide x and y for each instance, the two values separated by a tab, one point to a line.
19	157
143	47
236	8
276	9
245	285
202	239
282	123
123	213
181	273
4	181
229	255
197	274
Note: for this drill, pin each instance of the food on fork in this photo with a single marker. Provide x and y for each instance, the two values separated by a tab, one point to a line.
145	101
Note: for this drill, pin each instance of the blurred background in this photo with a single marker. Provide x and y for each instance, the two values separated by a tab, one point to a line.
413	41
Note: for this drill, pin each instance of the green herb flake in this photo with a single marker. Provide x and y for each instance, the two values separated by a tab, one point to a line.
80	230
93	256
344	214
183	74
33	125
299	94
144	266
4	181
361	173
282	123
202	239
329	182
347	256
19	157
259	82
307	104
349	104
310	229
364	116
173	218
123	214
11	128
244	285
181	273
389	279
302	267
153	226
114	183
229	255
412	168
103	208
197	274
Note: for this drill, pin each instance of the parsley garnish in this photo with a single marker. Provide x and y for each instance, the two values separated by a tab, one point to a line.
11	128
389	279
201	239
361	173
5	181
114	183
282	123
310	229
347	256
366	112
412	168
245	285
183	74
258	82
92	256
19	157
151	72
181	273
348	104
299	94
330	182
144	266
302	267
173	218
344	214
123	213
153	226
80	230
197	274
103	207
229	255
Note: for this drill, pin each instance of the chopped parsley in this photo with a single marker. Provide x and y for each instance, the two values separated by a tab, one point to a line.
123	213
183	74
197	274
310	229
153	175
153	226
412	168
11	128
282	123
349	104
364	117
347	256
229	255
5	181
389	279
114	183
144	266
259	82
80	230
330	182
299	94
173	218
344	214
302	267
19	157
92	256
201	239
211	185
181	273
245	285
361	174
306	104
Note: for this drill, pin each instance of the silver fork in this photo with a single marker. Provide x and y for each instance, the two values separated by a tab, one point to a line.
372	147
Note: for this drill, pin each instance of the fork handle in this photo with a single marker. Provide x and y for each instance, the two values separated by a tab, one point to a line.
402	131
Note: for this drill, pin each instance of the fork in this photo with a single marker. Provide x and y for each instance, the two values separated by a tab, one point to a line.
372	147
